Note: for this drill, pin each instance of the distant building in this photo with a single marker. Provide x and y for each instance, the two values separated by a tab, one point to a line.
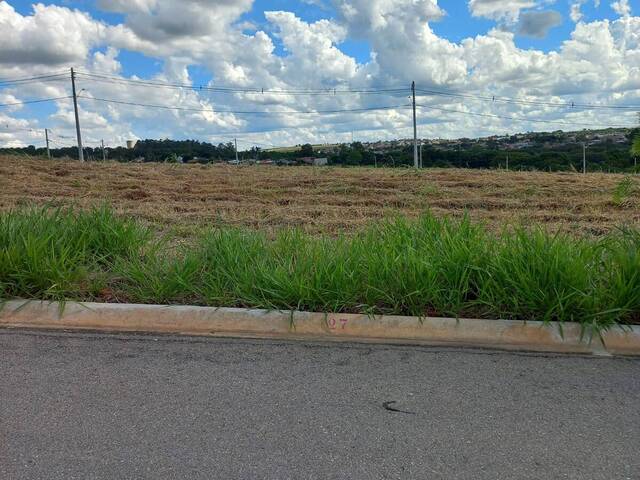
318	162
285	162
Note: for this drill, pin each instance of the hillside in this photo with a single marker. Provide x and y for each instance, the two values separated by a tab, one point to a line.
606	151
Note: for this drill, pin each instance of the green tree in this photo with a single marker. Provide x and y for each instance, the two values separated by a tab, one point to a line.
172	158
635	146
354	157
306	150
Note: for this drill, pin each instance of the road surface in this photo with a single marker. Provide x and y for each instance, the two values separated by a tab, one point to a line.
90	406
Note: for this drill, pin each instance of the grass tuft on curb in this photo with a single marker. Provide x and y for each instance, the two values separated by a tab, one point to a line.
424	267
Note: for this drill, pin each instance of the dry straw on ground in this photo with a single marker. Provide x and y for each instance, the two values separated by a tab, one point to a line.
184	198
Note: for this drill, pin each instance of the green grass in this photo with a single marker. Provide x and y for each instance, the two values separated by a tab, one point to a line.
427	267
55	254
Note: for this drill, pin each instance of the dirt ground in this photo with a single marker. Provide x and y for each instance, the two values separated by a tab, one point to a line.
185	198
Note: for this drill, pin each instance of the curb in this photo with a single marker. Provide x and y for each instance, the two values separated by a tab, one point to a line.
238	322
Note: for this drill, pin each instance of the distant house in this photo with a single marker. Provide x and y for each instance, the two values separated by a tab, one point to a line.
318	162
285	162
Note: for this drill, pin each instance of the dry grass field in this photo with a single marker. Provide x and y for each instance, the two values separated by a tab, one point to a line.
184	198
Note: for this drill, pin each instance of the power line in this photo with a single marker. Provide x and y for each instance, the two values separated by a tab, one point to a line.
233	90
335	91
319	91
251	142
37	81
61	136
29	102
38	78
63	145
525	119
21	129
246	112
526	102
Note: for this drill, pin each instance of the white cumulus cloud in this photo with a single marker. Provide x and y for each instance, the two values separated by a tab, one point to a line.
622	7
598	63
508	10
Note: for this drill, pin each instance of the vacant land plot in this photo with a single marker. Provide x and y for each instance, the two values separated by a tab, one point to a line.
320	200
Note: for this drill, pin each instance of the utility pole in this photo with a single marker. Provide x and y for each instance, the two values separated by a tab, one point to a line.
46	137
507	161
104	157
420	154
584	157
236	140
75	108
415	127
635	157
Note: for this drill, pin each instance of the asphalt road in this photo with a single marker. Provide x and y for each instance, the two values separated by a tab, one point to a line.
84	406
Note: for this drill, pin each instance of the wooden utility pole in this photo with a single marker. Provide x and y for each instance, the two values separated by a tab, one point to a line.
415	126
46	137
104	156
507	161
75	109
236	141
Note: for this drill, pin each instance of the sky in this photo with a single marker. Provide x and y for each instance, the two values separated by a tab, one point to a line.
284	72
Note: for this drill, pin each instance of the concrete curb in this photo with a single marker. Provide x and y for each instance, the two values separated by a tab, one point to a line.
237	322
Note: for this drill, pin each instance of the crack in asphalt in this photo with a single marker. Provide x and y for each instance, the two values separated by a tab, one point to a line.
387	406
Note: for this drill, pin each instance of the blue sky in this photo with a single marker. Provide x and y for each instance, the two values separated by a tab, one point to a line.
138	38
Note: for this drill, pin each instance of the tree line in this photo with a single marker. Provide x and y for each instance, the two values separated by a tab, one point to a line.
605	156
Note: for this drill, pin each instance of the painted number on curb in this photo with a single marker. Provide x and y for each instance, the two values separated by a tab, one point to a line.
339	324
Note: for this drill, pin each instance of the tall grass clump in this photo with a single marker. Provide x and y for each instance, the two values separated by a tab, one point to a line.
531	275
618	294
422	267
59	253
623	192
158	278
292	271
403	267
